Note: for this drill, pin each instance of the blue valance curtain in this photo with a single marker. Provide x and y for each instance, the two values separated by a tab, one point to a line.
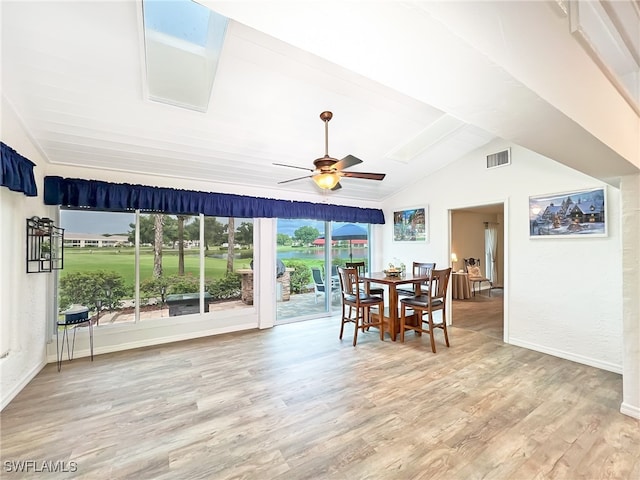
75	192
17	172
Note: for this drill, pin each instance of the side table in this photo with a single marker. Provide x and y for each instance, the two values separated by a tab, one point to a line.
73	317
460	286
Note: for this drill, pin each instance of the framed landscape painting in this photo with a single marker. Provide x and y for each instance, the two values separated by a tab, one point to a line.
410	225
576	214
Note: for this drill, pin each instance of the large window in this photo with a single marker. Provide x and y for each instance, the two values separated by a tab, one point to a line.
130	267
99	265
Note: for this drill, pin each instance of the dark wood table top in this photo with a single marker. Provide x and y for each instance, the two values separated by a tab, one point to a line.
381	277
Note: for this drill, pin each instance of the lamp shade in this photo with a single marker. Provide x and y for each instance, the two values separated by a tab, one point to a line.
326	181
454	257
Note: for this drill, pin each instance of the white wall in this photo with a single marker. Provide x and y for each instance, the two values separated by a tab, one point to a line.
630	187
25	305
563	296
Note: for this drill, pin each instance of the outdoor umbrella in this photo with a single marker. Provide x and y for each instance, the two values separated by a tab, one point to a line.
350	232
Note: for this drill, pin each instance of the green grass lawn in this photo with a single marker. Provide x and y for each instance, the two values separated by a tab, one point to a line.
122	261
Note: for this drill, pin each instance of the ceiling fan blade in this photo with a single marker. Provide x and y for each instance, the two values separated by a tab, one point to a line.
294	179
294	166
368	176
337	187
346	162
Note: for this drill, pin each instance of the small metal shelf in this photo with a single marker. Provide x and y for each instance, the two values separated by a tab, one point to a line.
44	245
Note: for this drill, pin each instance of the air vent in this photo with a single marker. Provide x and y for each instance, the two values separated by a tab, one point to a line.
499	159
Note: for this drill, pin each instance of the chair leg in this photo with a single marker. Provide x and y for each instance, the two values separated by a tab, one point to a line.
402	322
444	328
433	343
357	324
342	322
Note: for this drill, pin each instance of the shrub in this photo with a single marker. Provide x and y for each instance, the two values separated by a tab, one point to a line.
157	288
227	287
183	284
84	288
300	277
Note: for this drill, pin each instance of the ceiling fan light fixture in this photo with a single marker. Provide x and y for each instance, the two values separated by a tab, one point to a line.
326	181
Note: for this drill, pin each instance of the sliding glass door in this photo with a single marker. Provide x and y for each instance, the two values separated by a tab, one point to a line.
310	252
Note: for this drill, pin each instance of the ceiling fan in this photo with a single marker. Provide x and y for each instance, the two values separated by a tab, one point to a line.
329	170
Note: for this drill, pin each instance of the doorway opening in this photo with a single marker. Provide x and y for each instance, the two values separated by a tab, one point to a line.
478	232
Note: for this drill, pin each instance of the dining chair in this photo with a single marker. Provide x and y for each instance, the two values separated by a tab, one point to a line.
472	266
419	269
357	305
361	271
432	299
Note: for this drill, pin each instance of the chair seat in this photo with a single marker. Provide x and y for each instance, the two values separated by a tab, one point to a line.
374	291
478	279
363	298
405	291
420	301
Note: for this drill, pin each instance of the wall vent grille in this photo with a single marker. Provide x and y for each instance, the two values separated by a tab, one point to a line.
499	159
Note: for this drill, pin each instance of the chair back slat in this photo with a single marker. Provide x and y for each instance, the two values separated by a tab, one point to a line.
438	284
360	266
423	268
348	280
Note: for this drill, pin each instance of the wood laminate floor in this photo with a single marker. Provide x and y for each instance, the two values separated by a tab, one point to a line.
294	402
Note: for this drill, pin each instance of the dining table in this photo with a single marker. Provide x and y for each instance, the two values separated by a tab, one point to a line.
392	314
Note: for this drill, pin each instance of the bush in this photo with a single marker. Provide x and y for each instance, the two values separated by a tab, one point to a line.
85	288
223	289
227	287
300	277
183	284
156	288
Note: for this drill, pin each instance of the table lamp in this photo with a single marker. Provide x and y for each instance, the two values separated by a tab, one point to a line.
454	260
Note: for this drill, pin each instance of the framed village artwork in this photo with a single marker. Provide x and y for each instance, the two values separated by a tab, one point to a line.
577	214
410	225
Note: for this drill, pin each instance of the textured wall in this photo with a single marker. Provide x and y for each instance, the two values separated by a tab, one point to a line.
630	188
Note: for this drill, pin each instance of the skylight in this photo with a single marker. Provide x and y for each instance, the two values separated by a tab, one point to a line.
183	42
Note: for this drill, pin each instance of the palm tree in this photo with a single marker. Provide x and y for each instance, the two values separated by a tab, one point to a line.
181	219
157	245
231	229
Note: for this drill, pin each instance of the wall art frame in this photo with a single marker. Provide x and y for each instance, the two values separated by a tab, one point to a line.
572	214
411	225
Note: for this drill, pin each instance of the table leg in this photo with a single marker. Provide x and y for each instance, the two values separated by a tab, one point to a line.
393	311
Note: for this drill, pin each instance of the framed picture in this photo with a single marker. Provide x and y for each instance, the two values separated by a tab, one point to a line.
576	214
410	225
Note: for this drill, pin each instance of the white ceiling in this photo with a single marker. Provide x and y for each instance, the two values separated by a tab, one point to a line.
74	72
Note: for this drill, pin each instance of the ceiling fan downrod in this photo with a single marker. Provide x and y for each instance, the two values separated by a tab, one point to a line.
325	117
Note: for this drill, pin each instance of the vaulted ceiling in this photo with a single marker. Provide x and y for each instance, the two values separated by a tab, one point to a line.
401	93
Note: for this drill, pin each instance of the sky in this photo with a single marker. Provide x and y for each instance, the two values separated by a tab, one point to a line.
96	222
118	223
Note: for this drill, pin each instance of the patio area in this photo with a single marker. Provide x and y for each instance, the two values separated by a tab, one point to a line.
301	304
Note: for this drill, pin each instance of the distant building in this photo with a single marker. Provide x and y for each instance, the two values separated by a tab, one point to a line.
95	240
